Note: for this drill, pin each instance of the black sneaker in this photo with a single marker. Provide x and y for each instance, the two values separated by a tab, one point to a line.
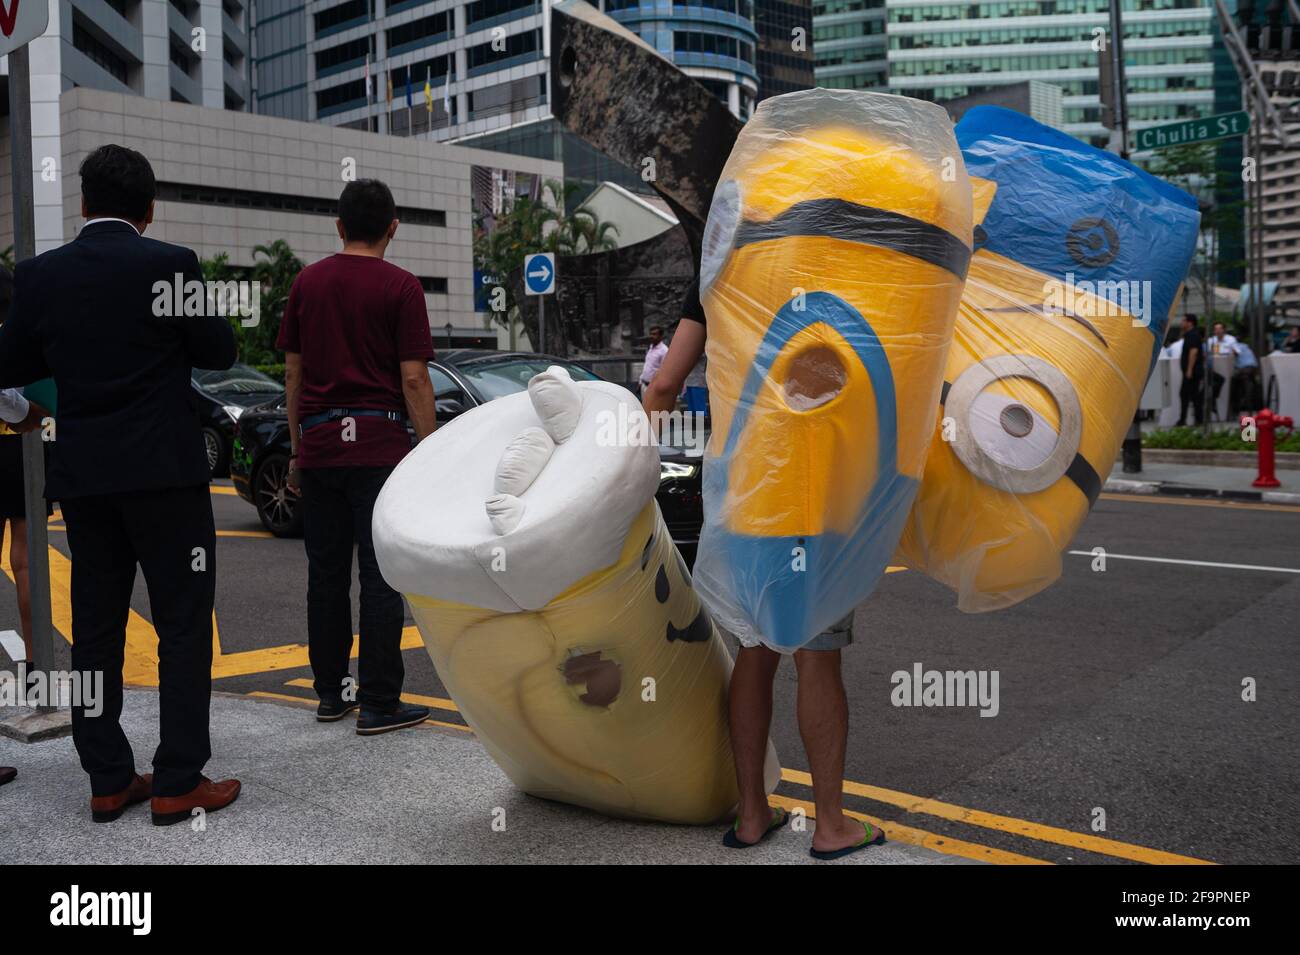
372	722
334	708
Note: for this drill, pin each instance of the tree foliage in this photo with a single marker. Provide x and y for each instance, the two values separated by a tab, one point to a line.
535	225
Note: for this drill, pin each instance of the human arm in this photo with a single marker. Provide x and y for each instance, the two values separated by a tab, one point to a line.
292	392
209	339
683	354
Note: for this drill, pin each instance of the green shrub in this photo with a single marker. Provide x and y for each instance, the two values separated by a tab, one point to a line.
275	371
1194	439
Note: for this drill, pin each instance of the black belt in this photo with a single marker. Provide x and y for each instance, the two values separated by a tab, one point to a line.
337	414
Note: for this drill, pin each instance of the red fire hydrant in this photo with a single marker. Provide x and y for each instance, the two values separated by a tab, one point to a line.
1266	423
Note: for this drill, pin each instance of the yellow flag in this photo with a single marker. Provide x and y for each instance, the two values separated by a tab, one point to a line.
428	96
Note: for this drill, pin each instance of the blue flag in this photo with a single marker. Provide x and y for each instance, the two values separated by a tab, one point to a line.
408	87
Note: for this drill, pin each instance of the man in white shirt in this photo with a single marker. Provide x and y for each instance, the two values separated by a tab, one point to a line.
654	356
1221	343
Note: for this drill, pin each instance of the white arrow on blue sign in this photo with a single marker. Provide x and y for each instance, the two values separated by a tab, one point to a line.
539	273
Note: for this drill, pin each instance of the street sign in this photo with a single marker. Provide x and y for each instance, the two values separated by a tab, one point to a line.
539	272
1200	130
22	21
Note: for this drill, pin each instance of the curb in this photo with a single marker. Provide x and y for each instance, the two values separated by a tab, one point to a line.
1172	489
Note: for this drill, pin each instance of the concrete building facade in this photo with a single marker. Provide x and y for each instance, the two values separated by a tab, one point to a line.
229	181
183	51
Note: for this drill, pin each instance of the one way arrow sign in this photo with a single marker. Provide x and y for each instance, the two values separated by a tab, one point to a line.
22	21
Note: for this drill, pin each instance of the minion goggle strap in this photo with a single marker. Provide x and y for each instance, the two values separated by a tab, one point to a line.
1008	445
825	218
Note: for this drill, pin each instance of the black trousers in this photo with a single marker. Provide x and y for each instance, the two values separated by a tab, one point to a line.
170	534
337	504
1191	392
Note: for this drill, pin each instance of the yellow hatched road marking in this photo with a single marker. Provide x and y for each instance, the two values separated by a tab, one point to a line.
919	837
1009	824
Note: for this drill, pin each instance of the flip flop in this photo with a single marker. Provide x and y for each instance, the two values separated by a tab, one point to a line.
874	837
733	841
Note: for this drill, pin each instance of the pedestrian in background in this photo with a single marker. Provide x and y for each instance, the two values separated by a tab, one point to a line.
1191	359
129	470
356	340
654	357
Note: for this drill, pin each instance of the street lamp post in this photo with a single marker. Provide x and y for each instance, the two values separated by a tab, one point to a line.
447	328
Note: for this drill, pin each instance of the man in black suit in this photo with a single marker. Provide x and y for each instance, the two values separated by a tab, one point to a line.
129	469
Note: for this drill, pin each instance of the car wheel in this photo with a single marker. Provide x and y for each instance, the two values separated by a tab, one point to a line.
276	506
215	446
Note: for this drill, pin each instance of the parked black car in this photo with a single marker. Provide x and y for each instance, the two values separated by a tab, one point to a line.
221	397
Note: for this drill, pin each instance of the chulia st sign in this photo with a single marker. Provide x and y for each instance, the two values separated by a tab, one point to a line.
1191	131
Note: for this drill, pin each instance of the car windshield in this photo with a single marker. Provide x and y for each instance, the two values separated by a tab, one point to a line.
238	379
494	379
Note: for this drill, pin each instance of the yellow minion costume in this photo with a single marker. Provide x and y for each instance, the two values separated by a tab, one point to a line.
1079	261
555	607
833	262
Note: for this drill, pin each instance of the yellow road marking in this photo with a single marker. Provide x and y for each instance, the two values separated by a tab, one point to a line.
1196	502
222	489
919	837
59	529
988	820
288	657
436	702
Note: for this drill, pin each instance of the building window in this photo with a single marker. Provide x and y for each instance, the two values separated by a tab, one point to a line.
433	285
412	33
517	45
481	10
337	96
97	51
345	13
307	205
354	51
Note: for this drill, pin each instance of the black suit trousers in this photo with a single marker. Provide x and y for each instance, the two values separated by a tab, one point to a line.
171	535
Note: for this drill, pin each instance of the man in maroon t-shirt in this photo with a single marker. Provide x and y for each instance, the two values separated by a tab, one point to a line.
356	340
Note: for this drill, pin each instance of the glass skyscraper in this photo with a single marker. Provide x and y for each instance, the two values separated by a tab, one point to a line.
939	50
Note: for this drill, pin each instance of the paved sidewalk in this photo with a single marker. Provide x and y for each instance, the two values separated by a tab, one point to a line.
1203	480
318	793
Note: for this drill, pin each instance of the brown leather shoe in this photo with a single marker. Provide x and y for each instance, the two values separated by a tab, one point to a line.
207	795
108	808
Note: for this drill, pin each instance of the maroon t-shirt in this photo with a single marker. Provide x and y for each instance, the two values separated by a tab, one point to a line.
353	319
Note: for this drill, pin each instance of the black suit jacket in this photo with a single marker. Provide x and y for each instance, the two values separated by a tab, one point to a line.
84	314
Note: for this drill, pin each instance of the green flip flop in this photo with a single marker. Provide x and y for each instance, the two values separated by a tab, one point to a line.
732	841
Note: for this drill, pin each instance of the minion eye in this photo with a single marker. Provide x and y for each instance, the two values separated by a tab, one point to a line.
1010	432
719	231
1003	441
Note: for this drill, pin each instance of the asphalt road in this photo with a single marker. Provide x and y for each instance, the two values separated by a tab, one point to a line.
1120	692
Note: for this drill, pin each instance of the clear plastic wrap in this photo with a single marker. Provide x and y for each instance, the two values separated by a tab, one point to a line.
833	261
1079	260
525	536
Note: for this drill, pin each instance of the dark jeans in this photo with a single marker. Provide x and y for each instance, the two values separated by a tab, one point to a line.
170	534
336	507
1191	393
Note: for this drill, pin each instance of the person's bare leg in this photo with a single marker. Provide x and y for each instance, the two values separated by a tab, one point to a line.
18	564
824	728
750	704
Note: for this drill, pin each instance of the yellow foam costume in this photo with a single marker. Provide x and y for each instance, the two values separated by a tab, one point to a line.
833	263
1078	263
555	607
